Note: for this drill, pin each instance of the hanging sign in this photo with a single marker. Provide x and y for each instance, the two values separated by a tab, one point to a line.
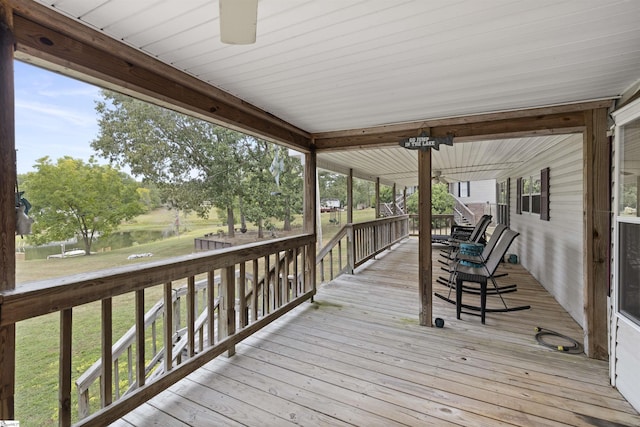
424	141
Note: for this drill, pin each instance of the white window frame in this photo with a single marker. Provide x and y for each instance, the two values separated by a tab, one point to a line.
622	117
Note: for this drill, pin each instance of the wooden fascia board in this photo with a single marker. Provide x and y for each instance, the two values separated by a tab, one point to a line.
538	121
54	38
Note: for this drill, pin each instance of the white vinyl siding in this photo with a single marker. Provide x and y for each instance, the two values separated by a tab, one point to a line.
627	363
553	250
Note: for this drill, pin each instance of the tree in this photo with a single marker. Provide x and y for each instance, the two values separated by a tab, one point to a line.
194	163
73	198
441	201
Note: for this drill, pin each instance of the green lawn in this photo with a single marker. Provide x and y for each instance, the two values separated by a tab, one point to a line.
37	339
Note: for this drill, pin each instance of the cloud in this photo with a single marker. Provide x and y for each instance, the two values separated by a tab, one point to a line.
77	118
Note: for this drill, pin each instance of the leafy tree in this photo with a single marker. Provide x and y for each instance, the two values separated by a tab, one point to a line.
441	201
73	198
332	186
194	163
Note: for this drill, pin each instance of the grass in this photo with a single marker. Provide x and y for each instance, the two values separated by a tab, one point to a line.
37	339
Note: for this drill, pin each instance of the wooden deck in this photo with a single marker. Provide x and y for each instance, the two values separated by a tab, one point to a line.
357	356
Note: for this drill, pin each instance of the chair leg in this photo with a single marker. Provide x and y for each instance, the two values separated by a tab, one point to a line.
458	297
483	300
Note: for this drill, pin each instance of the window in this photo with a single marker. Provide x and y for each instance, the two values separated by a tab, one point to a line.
464	189
629	270
628	223
502	198
460	189
533	194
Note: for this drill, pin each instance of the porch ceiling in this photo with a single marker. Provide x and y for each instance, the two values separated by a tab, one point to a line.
326	66
468	161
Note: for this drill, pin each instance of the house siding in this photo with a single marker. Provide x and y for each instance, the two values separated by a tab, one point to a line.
627	363
553	250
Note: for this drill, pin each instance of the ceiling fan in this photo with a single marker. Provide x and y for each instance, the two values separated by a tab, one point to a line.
437	178
238	21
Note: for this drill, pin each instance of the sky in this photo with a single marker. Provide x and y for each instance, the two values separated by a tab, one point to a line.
55	116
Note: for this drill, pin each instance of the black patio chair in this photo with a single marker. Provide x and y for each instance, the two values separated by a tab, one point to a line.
450	266
482	275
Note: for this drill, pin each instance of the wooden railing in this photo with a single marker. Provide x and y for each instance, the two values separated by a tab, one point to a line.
462	213
211	328
441	225
356	243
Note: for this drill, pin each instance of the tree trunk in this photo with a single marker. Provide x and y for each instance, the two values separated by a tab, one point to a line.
87	245
230	222
287	218
260	230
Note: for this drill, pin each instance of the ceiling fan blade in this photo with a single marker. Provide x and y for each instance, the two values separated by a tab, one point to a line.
238	21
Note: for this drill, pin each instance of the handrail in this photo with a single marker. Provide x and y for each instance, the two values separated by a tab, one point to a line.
219	326
464	210
362	241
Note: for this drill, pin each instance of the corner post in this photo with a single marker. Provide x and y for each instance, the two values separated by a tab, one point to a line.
597	232
7	207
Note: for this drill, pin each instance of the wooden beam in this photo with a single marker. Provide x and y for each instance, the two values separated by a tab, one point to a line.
425	286
7	208
463	131
597	232
68	45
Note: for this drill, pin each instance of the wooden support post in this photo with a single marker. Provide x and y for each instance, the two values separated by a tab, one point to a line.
393	200
168	327
7	207
597	232
140	350
424	246
350	197
64	390
310	225
106	385
377	197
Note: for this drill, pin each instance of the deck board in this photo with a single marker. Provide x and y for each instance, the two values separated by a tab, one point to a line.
357	356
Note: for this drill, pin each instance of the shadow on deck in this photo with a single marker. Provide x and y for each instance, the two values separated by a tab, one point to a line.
357	356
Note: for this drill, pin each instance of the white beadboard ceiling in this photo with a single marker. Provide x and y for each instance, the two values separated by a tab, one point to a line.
346	64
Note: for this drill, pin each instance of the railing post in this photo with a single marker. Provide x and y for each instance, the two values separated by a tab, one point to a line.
64	392
227	317
351	249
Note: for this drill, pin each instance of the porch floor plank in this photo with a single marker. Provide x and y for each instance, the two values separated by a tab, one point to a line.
357	356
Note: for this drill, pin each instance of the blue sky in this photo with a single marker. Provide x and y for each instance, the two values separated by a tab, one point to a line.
55	116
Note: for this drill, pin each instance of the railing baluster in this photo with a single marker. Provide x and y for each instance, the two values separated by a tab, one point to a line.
277	288
242	295
294	287
331	264
168	327
211	324
254	294
116	378
140	362
191	316
285	277
106	391
266	291
64	392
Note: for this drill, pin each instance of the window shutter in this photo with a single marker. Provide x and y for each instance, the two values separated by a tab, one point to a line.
519	196
468	188
544	194
507	220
